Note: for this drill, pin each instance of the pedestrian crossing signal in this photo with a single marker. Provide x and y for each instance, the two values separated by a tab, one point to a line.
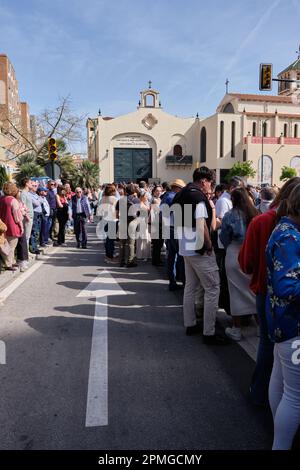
52	149
265	77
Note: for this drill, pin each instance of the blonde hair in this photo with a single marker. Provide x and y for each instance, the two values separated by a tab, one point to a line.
10	189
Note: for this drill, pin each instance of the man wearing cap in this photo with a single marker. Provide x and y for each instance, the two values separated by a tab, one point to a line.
175	262
44	234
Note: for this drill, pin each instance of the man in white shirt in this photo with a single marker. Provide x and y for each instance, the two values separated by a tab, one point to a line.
195	246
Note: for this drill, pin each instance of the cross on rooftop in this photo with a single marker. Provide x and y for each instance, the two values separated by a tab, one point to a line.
150	83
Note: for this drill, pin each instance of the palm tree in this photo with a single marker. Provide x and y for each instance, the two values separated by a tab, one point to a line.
69	170
28	168
3	176
88	175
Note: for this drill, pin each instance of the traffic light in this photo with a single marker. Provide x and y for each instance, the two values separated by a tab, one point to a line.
265	77
52	149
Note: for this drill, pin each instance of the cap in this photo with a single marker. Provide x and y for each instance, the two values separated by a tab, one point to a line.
42	188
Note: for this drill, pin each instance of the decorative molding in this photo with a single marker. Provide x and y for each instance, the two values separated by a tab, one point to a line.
149	121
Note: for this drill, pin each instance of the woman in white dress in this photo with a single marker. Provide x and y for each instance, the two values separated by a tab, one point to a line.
143	241
233	230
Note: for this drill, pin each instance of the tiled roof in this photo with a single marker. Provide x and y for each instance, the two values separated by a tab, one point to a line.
294	66
269	98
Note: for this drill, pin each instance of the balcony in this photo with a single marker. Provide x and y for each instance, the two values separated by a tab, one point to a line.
179	160
273	140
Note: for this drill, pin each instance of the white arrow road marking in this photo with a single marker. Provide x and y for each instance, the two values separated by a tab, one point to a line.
97	397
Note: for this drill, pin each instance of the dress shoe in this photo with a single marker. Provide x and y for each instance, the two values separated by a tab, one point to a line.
131	265
216	339
193	330
78	245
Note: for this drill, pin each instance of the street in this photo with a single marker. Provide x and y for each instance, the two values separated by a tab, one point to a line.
97	358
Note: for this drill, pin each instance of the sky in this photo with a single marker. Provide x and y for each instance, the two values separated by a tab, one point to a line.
103	52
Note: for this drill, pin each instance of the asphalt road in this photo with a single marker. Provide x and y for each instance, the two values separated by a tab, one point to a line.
165	390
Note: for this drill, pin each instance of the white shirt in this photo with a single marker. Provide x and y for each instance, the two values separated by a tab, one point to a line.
223	205
79	206
187	235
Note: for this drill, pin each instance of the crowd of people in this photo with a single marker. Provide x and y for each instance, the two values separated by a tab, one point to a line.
33	217
233	246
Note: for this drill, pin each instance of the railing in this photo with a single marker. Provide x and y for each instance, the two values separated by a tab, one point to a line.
179	159
273	140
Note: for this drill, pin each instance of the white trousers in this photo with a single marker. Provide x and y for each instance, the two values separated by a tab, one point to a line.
284	393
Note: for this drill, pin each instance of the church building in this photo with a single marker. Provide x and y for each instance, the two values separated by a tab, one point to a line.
150	144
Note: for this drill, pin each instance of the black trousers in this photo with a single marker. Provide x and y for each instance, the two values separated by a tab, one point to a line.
22	248
224	299
79	228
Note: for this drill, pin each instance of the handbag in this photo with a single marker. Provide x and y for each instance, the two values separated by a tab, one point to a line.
5	249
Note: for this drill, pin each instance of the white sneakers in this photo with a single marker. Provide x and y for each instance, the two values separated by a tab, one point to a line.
234	333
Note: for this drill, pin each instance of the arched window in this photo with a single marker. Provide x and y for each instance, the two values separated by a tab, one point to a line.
149	100
265	170
296	131
265	129
285	130
228	108
203	145
254	129
244	155
295	163
177	150
221	139
233	139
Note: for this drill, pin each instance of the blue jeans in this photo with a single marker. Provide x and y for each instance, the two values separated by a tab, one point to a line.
109	247
264	362
35	232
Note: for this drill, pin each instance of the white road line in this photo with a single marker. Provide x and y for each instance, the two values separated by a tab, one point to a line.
97	399
97	396
7	291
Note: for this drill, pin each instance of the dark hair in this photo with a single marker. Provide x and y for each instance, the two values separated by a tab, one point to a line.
165	185
220	187
236	182
267	194
280	201
142	184
203	173
24	181
109	189
294	202
240	201
130	189
60	190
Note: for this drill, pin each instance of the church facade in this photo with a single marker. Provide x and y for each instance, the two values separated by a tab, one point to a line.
150	144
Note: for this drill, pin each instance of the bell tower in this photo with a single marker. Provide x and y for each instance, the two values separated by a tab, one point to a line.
292	72
149	98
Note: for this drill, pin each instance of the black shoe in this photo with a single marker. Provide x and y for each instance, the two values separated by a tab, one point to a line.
175	287
37	252
78	245
216	339
193	330
131	265
122	264
84	247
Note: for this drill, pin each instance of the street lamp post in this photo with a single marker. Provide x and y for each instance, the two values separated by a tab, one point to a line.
263	124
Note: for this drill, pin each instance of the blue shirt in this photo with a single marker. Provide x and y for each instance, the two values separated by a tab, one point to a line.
233	227
37	208
283	266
